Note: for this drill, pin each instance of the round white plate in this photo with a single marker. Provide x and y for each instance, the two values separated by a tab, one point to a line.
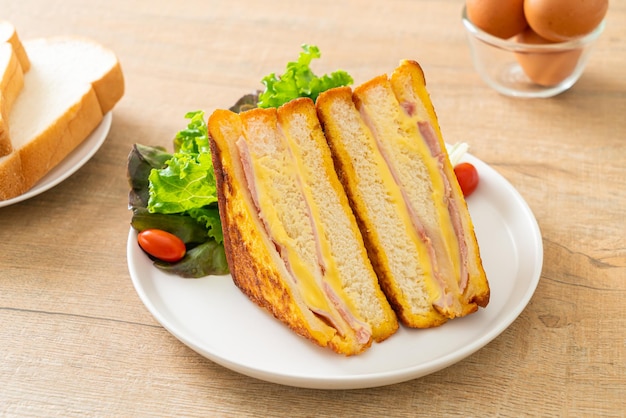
70	164
211	316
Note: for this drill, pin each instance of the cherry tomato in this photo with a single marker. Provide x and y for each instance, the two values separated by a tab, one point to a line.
467	175
162	245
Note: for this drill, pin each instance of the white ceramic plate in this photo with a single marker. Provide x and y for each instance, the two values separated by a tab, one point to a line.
215	319
70	164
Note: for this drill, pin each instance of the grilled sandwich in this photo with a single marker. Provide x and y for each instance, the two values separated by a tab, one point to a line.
344	216
291	239
392	160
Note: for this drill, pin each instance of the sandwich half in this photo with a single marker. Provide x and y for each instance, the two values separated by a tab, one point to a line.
292	242
392	160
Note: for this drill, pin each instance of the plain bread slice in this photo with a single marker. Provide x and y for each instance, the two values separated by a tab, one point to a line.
13	64
71	84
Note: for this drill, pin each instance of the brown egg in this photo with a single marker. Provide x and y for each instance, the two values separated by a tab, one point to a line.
501	18
563	20
546	68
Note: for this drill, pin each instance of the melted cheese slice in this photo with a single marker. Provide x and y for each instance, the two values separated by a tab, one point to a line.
284	206
410	167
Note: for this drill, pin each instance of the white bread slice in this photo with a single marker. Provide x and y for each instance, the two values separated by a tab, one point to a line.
71	84
280	198
13	64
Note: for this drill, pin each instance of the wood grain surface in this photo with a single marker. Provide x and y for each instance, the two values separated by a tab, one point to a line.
75	340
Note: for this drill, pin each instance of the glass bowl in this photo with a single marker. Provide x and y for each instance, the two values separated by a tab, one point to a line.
528	70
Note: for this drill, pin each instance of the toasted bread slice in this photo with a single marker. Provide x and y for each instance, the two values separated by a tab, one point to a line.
291	240
344	255
393	163
71	84
409	85
13	64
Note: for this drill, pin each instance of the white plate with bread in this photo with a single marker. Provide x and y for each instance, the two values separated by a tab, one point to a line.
214	318
57	95
70	164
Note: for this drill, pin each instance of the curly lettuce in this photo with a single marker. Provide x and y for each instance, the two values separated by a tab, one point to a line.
300	81
186	184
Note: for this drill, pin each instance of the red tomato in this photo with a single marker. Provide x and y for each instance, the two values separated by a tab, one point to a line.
467	175
162	245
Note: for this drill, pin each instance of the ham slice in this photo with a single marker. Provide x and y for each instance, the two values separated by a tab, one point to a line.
335	312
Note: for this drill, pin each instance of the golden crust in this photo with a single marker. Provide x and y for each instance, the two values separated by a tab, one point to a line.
8	34
11	83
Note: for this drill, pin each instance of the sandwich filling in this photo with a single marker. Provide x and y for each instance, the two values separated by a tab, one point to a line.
428	134
283	202
434	223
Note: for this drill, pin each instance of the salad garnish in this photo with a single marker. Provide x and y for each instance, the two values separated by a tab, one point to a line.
298	80
177	193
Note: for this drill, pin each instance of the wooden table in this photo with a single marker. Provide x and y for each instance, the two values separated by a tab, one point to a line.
75	340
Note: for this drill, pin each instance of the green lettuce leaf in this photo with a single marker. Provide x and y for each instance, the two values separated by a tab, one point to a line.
178	193
184	227
207	258
300	81
246	102
141	160
187	182
195	138
209	216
